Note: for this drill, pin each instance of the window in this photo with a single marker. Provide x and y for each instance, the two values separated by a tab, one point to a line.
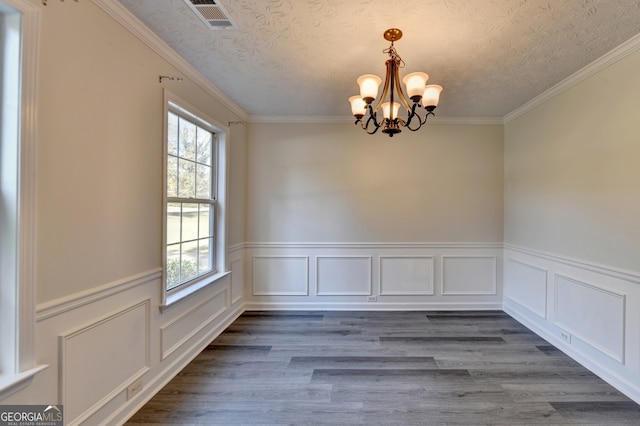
195	163
19	22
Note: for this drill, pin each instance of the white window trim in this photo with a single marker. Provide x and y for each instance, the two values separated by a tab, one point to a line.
24	314
170	297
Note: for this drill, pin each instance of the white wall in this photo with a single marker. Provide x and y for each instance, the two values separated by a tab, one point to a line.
335	215
99	219
572	230
334	183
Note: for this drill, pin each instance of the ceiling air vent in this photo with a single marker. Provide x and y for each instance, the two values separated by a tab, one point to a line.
212	14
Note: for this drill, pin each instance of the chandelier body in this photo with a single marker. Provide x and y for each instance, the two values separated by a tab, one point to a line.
419	95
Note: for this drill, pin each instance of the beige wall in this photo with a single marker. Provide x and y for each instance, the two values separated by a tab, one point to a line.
333	183
572	171
100	151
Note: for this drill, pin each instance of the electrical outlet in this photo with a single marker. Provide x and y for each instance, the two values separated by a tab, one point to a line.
565	336
372	299
134	388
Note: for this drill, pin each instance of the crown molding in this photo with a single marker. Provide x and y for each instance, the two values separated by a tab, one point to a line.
313	119
301	119
118	12
623	50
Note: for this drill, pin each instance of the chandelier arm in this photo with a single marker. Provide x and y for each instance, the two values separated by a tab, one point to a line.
413	114
401	95
372	117
385	89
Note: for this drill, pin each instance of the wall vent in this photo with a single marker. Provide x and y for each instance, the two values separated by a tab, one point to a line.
212	14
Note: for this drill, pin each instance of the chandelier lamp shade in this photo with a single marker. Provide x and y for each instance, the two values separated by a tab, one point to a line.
419	95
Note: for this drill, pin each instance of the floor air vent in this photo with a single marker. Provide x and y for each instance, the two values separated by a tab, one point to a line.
212	14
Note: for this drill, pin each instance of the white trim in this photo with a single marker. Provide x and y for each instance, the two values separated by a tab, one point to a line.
341	119
375	245
235	247
367	306
75	301
622	274
118	12
24	361
594	67
467	121
16	382
28	189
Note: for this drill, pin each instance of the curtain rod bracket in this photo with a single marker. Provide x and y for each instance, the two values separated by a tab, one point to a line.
168	77
44	2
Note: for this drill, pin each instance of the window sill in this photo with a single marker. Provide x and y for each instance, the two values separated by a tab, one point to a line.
180	295
12	383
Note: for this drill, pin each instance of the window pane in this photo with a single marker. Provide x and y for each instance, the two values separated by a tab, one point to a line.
172	134
204	256
173	265
173	223
186	179
172	176
203	181
187	148
205	220
189	222
204	146
189	263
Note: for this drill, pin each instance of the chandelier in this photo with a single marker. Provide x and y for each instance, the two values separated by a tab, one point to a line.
418	93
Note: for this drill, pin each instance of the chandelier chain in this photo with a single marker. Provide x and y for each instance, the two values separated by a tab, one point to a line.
394	55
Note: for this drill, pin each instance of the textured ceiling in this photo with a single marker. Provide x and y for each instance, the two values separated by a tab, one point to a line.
302	57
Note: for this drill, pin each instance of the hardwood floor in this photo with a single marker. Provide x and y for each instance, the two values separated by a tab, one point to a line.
385	368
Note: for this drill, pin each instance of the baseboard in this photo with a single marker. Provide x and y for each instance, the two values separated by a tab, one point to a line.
373	306
629	389
586	309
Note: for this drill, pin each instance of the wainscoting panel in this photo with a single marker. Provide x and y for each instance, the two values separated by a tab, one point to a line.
280	275
374	276
343	275
183	328
237	279
531	291
591	314
94	344
112	347
406	275
469	275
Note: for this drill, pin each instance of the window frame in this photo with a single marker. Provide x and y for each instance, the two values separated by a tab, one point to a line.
180	107
18	364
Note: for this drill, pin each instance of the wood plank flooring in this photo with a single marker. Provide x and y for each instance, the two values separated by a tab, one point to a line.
384	368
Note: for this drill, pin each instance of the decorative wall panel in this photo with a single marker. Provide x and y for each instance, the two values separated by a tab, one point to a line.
237	279
406	275
280	275
469	275
343	275
85	388
183	328
592	314
528	286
